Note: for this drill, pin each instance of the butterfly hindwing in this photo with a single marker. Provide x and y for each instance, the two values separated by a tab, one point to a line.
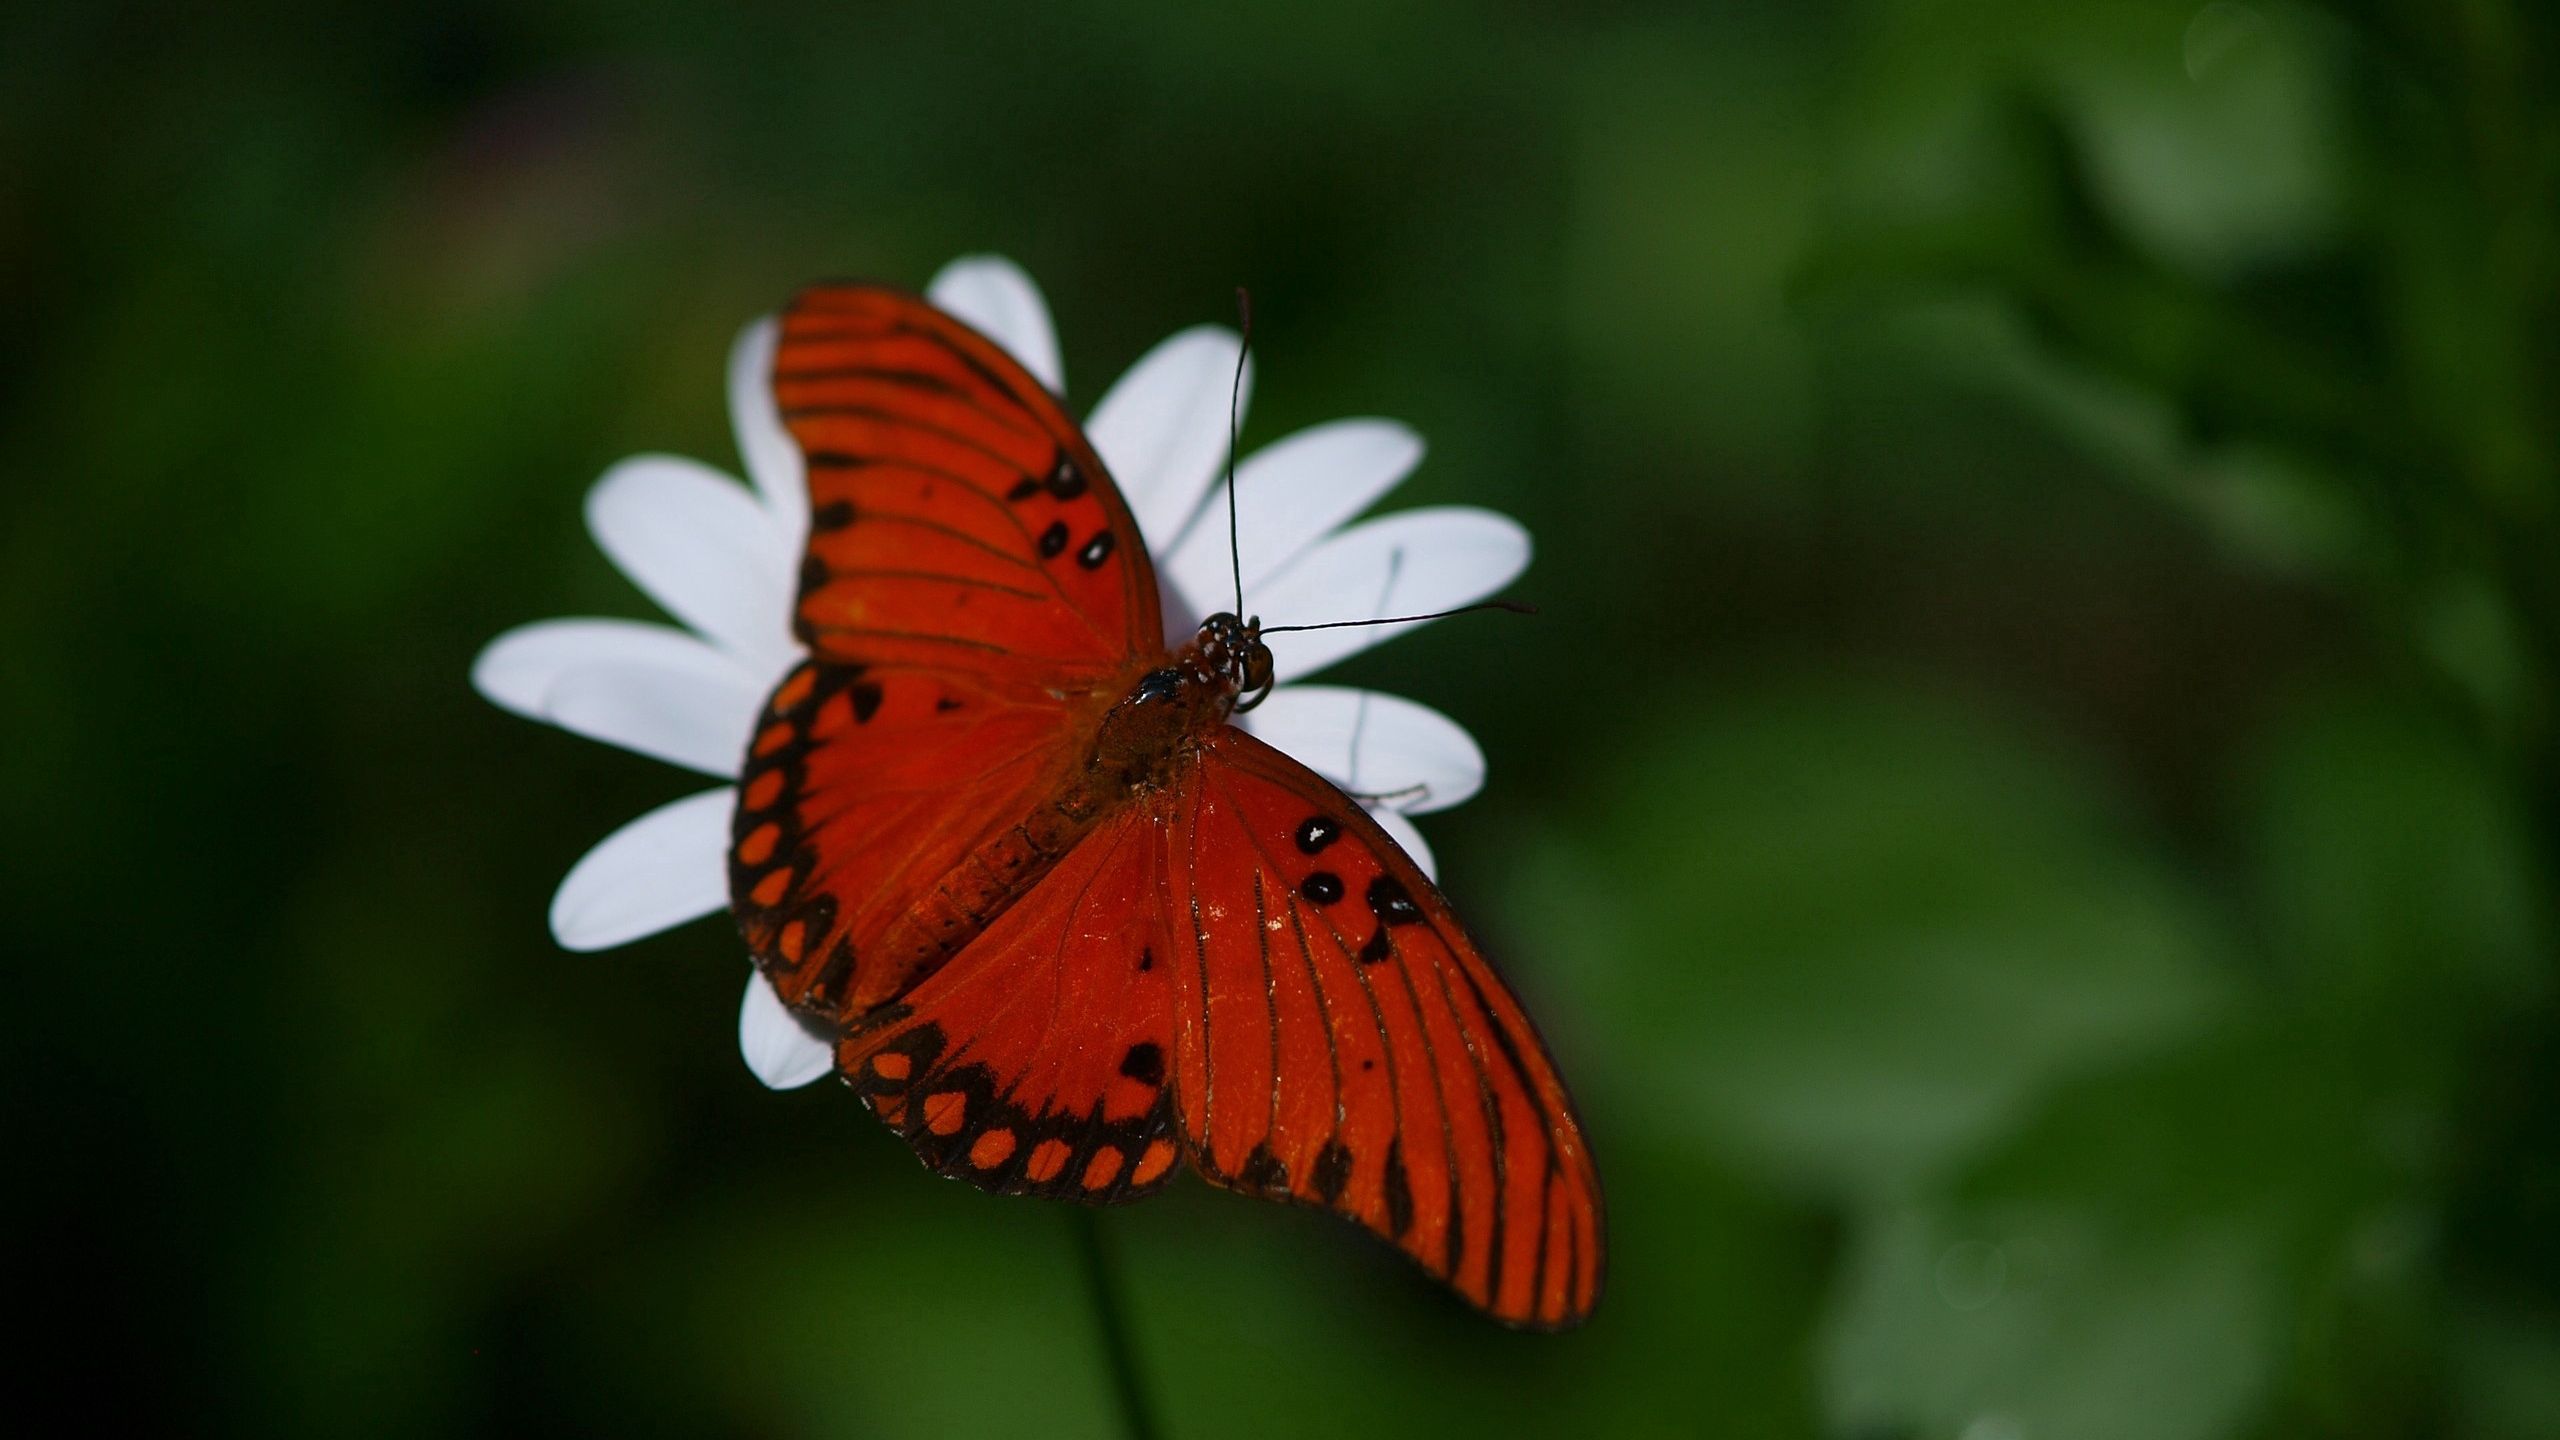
957	517
1037	1061
1342	1043
867	792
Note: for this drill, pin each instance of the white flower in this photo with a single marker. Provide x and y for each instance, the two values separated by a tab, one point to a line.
722	559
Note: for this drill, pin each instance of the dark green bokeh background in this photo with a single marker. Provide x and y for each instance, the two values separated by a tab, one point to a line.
2028	813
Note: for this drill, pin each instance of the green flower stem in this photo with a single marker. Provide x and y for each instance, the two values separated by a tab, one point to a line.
1111	1318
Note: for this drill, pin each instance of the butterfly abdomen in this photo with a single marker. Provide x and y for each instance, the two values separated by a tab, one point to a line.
960	907
1136	748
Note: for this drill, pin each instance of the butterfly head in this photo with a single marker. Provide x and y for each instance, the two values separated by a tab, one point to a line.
1225	669
1233	650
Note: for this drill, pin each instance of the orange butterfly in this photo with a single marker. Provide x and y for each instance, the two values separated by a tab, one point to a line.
1071	926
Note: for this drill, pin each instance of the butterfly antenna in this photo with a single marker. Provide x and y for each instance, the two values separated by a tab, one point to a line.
1514	606
1235	411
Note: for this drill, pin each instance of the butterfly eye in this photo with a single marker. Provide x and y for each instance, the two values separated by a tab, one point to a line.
1253	676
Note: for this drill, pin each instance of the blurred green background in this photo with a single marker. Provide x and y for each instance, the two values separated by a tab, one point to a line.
2028	815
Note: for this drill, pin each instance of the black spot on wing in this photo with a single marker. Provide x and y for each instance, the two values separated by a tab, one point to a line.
1315	833
1333	1170
1066	481
1144	1063
1392	903
1263	1172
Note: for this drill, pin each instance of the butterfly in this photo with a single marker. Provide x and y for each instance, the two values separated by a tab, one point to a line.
1072	929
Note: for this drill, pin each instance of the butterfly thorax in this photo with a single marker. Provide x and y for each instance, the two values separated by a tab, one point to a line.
1138	748
1144	736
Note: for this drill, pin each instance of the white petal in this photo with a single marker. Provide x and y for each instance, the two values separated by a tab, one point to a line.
1407	563
518	670
701	547
669	866
772	457
1408	837
992	294
1410	756
694	710
1289	494
784	1051
1162	430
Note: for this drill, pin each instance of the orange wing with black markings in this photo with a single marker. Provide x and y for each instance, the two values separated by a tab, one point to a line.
1038	1062
1060	966
1341	1042
957	517
973	595
879	809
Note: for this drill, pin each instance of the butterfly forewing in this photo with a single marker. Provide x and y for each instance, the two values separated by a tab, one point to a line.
1342	1042
957	517
973	595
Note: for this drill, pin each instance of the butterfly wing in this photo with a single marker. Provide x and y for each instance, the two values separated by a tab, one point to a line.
1242	968
867	792
957	517
1037	1061
1341	1042
1245	970
973	596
